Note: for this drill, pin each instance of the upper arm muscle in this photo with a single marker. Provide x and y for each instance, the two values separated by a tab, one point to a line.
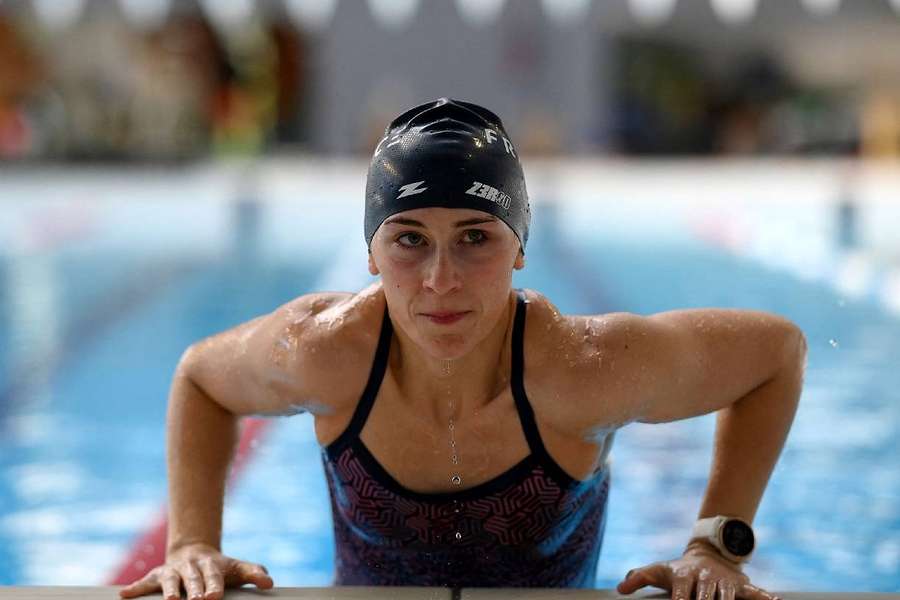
671	365
269	365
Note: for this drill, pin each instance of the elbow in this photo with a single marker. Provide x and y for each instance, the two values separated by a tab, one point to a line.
798	343
187	361
188	369
795	348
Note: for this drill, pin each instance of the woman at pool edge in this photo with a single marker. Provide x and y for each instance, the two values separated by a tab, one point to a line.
463	444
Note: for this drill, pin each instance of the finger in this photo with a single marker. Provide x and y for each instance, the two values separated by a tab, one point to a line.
212	577
146	585
706	589
638	578
191	580
258	575
634	580
171	586
681	588
751	592
727	590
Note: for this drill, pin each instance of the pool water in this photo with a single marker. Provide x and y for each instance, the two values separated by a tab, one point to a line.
103	290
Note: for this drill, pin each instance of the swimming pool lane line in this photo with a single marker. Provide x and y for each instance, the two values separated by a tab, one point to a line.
119	304
149	550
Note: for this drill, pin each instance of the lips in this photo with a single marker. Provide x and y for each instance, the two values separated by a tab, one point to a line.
445	317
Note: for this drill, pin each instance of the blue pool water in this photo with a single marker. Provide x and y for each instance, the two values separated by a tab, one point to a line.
94	317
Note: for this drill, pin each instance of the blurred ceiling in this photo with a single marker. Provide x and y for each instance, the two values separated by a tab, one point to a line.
396	14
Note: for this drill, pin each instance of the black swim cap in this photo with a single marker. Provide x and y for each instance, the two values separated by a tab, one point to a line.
451	154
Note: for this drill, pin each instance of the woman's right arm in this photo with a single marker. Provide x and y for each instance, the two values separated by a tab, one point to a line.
254	368
200	440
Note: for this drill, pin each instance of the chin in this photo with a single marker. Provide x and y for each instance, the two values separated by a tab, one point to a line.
448	347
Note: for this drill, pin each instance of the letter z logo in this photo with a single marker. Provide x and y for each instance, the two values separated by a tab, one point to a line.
411	188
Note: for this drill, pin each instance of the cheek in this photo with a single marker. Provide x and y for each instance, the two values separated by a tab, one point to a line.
401	276
487	266
401	267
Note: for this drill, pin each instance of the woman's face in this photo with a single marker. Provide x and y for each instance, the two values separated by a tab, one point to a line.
445	260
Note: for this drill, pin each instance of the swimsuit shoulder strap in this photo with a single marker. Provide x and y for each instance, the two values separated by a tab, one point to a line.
523	406
376	375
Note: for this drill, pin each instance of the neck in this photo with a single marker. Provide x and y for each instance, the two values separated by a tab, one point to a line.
469	382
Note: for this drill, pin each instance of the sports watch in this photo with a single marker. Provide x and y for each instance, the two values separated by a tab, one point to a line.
732	536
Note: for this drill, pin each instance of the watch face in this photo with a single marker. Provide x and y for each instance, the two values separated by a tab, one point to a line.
738	538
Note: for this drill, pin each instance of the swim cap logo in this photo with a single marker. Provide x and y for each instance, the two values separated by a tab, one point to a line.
490	135
411	189
483	190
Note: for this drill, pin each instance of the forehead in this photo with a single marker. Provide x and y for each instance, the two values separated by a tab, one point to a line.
435	216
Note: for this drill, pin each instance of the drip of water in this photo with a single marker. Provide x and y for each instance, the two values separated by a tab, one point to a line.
455	478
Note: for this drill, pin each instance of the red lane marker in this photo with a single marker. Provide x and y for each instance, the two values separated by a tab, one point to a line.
149	550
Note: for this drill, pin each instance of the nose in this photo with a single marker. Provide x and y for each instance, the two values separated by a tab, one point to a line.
441	274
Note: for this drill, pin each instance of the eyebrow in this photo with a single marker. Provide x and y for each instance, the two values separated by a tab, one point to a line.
414	223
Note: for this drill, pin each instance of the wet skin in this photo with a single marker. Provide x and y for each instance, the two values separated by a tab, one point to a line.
585	376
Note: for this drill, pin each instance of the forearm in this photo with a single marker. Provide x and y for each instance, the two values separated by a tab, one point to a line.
201	437
750	435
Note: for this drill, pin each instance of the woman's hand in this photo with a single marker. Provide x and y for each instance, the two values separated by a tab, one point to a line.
716	578
204	571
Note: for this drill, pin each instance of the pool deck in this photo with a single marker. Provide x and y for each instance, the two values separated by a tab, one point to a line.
401	593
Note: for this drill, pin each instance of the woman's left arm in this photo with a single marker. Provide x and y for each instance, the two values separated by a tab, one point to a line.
750	434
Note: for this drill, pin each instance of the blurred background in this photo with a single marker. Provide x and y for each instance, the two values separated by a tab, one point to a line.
171	168
175	80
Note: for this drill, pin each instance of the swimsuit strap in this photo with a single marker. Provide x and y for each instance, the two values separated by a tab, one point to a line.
523	406
376	374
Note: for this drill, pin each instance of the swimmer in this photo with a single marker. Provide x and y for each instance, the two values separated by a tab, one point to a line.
464	425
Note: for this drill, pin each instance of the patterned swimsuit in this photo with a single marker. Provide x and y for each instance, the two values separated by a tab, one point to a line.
532	526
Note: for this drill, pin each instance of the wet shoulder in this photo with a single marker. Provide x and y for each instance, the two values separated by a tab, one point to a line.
545	326
341	331
563	354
